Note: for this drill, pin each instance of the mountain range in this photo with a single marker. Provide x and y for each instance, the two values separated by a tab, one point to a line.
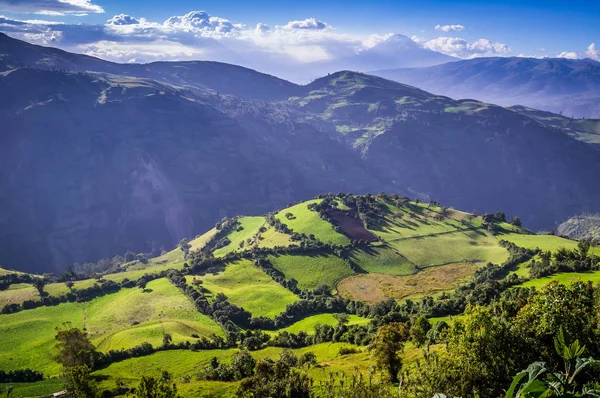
567	86
98	158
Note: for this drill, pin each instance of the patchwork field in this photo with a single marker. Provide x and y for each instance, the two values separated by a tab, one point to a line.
249	287
308	222
373	288
308	324
246	230
473	246
382	260
312	270
121	320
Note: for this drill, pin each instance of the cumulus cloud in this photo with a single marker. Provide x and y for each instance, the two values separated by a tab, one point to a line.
197	35
592	51
122	19
195	20
51	7
308	23
568	55
449	28
461	48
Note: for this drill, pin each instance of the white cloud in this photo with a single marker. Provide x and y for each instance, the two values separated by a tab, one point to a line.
122	19
461	48
568	55
51	7
195	20
592	51
449	28
308	23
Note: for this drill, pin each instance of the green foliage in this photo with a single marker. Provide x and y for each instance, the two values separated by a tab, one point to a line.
80	383
385	349
162	387
74	348
419	330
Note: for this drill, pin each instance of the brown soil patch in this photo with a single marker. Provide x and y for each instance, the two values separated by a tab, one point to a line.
373	288
352	227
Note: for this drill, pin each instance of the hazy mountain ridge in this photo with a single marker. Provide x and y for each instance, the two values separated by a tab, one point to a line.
94	164
554	84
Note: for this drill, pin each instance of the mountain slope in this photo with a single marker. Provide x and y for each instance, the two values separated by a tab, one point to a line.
553	84
95	164
223	78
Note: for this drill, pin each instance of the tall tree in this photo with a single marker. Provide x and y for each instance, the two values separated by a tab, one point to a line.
386	347
75	348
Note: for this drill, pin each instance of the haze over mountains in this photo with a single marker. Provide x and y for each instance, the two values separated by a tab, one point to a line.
97	158
567	86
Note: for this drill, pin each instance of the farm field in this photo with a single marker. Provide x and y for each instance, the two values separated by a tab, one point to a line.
312	270
308	324
308	222
246	230
474	246
373	288
382	260
120	320
249	287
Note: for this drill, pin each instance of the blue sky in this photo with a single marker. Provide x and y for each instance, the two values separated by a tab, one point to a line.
466	29
526	26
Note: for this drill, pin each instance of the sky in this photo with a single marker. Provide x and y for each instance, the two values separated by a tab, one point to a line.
280	34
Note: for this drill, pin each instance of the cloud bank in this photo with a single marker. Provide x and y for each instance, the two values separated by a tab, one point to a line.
51	7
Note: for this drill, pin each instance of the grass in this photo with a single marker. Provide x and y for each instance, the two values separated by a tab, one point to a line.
475	246
312	270
180	363
418	219
17	293
249	287
564	278
28	336
199	241
248	228
373	288
543	242
382	260
308	222
308	324
43	388
271	238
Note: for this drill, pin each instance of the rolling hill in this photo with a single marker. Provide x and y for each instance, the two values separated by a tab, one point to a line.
99	158
558	85
365	249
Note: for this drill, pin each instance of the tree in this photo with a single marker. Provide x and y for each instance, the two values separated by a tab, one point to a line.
242	364
39	284
142	283
167	340
516	221
185	247
385	348
419	329
74	348
69	285
157	388
129	256
500	216
80	383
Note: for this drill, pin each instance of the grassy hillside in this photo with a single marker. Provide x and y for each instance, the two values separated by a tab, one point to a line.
364	248
249	287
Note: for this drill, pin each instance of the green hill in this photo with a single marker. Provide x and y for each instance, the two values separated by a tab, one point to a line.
288	273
